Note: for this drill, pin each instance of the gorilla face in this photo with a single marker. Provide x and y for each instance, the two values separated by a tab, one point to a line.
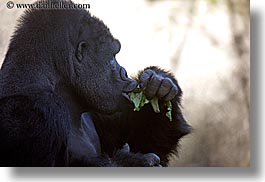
100	80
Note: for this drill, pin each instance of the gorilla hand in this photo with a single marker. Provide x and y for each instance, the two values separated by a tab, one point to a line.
160	85
125	158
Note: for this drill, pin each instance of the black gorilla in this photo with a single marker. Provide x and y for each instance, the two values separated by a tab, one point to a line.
64	102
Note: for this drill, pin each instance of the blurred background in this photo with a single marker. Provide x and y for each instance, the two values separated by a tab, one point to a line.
205	44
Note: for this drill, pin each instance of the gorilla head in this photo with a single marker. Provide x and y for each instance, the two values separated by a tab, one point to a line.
79	50
95	66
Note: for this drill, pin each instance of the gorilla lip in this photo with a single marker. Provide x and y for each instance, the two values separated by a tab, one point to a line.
126	97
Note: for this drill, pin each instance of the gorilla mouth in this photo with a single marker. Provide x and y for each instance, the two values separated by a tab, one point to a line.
126	96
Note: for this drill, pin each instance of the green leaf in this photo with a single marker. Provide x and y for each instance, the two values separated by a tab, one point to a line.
136	98
168	115
139	100
169	110
143	100
155	105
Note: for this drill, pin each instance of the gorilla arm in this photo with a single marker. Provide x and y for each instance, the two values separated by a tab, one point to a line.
146	131
153	132
32	135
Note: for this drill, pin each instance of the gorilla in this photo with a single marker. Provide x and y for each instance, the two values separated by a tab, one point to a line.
64	98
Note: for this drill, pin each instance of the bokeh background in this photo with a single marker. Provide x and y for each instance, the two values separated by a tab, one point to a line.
206	44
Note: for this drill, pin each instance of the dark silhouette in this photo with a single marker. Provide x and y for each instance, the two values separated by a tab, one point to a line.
64	102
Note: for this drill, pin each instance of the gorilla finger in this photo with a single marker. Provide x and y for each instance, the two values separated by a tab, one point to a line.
144	78
165	87
126	148
153	86
152	159
172	94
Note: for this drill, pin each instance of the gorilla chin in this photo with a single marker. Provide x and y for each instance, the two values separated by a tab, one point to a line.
111	107
120	102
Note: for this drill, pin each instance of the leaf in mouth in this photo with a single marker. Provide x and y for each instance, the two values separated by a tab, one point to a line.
139	100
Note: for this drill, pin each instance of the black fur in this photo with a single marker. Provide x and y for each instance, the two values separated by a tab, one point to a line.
63	103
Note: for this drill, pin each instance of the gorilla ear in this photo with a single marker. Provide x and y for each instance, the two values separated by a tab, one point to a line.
80	50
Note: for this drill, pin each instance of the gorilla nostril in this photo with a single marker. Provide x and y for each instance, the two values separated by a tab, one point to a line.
123	74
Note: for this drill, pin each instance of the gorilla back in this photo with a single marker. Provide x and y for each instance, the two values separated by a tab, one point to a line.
64	102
